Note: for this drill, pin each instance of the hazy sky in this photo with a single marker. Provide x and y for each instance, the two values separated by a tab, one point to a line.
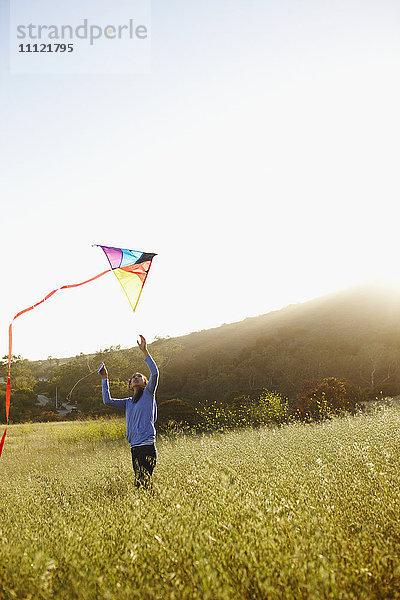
259	158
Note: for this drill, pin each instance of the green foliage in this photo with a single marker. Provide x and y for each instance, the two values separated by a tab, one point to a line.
23	374
215	416
321	400
269	408
295	512
23	406
176	410
46	416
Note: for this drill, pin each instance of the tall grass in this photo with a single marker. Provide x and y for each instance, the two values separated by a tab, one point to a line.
294	512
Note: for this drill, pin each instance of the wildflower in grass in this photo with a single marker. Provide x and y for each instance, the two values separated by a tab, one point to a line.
241	411
141	415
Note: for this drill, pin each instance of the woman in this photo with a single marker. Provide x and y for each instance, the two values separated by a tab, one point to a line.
141	414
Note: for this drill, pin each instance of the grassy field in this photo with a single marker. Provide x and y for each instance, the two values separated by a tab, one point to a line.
295	512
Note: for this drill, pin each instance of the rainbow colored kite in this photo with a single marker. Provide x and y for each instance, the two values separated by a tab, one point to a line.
131	268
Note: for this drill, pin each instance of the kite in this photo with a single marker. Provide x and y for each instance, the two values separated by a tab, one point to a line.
131	268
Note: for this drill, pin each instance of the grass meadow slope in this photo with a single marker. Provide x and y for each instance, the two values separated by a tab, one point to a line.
302	511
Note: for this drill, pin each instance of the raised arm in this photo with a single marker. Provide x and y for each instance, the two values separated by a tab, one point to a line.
151	386
115	402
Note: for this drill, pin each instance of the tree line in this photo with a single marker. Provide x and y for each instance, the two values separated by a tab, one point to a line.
319	357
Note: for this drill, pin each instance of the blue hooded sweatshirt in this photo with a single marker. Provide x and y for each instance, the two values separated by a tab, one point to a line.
140	415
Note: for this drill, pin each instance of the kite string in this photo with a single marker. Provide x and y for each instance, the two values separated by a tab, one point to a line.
8	390
68	396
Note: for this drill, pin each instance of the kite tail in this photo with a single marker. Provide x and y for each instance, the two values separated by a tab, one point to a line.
8	392
3	439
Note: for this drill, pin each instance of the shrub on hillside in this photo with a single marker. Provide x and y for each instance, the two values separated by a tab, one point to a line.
176	410
243	411
47	416
331	396
271	407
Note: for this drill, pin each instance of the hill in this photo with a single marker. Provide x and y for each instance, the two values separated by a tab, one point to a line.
352	311
352	334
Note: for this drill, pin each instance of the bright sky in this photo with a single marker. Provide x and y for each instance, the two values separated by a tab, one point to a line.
259	158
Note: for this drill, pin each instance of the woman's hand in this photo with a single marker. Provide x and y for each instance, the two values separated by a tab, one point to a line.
142	345
103	373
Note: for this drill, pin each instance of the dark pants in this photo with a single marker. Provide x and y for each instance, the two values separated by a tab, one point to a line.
144	460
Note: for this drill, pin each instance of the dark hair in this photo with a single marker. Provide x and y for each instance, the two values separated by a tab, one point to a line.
139	393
